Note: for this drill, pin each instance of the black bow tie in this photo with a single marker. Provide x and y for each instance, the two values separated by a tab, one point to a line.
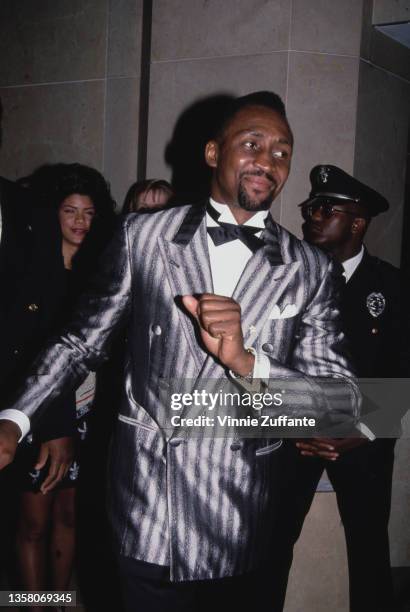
226	232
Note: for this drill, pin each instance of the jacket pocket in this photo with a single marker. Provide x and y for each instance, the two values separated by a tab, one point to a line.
136	423
266	450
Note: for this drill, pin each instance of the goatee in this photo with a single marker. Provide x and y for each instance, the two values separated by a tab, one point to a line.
246	203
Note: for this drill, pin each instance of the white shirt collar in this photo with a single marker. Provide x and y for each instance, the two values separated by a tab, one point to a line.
258	219
351	264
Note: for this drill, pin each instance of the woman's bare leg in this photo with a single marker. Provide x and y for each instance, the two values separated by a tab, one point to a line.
63	538
32	530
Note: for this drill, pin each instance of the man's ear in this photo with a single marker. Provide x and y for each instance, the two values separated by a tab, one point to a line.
359	225
212	153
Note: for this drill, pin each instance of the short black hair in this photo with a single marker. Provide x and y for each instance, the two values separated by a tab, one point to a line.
267	99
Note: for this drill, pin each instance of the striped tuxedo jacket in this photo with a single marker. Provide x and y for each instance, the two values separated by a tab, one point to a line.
201	506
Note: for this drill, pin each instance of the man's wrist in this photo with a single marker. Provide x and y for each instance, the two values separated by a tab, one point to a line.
244	365
18	418
11	428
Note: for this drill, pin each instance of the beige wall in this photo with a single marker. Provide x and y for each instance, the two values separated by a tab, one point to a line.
69	85
391	11
308	52
383	115
380	153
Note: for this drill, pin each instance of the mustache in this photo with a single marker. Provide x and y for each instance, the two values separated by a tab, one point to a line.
266	175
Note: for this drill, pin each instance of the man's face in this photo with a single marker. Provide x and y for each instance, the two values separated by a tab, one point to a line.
251	161
333	231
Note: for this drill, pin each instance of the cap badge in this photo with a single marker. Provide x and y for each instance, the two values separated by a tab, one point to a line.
376	303
323	174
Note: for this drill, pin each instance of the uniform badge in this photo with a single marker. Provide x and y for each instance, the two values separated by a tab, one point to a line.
323	174
376	303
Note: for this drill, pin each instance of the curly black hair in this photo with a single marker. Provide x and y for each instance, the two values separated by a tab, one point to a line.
86	181
51	184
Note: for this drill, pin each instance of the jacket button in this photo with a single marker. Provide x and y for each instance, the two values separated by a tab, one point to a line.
267	347
15	352
375	330
235	446
32	307
157	330
175	442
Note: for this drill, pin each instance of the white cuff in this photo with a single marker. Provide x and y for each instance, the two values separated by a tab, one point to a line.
365	431
261	366
261	369
19	418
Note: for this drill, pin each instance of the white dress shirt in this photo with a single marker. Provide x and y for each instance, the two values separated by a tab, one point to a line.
228	261
351	264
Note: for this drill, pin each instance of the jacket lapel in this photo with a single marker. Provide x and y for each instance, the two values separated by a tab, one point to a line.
186	260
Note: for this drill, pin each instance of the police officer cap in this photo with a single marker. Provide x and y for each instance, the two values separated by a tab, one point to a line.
331	182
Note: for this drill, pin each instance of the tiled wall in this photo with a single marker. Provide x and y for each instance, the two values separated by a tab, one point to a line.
308	52
391	11
380	154
69	85
383	115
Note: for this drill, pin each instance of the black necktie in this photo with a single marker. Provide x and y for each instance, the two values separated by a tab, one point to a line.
226	232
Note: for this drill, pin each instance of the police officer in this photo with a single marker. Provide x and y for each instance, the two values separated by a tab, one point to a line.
336	216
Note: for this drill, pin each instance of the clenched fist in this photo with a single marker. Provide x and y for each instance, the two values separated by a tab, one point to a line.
219	320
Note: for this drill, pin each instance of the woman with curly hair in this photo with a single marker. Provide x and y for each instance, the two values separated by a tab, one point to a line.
50	457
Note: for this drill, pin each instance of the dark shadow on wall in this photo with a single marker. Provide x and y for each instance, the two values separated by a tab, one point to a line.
185	151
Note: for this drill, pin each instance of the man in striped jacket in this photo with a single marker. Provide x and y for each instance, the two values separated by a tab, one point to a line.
216	292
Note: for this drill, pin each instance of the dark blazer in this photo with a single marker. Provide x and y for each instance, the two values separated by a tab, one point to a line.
374	339
379	344
33	289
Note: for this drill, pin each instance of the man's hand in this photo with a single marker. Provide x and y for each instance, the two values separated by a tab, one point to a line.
328	448
219	320
9	436
61	454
